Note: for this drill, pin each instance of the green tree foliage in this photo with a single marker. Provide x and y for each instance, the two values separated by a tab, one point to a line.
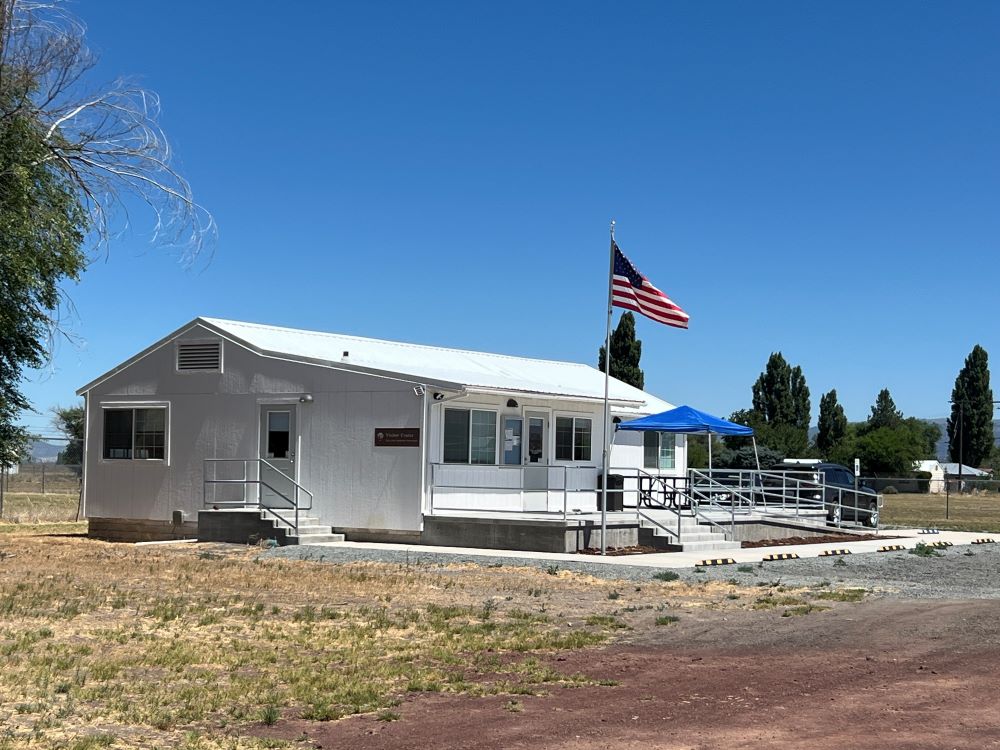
884	412
42	226
972	411
887	451
69	154
70	421
832	423
626	350
781	407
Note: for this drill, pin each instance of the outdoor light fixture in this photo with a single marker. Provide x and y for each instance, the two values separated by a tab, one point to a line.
512	403
306	398
438	396
616	420
418	391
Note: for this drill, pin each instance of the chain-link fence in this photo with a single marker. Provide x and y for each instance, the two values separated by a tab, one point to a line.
40	492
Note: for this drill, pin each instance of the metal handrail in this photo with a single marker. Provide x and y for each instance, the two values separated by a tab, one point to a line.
246	480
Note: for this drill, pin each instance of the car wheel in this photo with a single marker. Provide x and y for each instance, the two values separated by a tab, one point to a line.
873	515
835	515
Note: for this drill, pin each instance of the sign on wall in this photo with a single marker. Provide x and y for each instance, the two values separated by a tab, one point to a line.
397	437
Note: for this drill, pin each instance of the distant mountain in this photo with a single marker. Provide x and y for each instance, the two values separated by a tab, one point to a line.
44	453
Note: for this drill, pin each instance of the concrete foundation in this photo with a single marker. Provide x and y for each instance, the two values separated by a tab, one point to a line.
529	535
238	527
759	530
139	530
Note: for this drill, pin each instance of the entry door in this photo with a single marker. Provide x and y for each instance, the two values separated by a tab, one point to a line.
277	446
513	428
536	454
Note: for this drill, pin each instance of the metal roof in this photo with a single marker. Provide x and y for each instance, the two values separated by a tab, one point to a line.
470	370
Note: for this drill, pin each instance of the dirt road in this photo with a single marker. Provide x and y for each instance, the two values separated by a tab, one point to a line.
880	674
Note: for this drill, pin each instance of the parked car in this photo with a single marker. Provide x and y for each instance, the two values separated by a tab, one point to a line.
832	484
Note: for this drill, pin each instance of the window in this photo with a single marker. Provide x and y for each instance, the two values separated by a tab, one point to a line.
139	434
470	436
573	438
658	450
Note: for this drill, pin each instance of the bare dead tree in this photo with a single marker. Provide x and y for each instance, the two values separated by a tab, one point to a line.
107	140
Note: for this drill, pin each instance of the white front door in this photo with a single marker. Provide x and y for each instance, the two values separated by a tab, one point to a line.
536	453
278	439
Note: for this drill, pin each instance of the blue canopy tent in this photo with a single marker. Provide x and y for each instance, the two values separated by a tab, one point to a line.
686	420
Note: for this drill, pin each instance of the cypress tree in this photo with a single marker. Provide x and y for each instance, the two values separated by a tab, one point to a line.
972	398
884	412
832	423
626	350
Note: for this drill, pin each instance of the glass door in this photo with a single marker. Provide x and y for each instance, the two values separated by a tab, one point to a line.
512	431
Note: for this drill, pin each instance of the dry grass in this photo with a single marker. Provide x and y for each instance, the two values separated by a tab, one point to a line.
965	512
109	645
34	507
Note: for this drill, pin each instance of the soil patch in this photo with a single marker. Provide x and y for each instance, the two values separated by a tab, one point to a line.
884	674
824	539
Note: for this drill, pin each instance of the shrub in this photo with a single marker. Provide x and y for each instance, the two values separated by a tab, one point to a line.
890	490
666	575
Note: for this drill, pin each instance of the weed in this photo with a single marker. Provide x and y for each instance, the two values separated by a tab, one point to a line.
514	706
614	595
744	569
840	563
387	715
270	715
924	550
552	570
803	609
842	595
666	575
667	619
605	621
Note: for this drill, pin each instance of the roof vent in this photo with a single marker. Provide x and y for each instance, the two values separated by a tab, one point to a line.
200	356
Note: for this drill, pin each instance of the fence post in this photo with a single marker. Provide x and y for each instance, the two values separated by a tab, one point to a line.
43	479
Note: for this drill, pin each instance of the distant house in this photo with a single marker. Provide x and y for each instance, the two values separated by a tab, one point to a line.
333	433
940	471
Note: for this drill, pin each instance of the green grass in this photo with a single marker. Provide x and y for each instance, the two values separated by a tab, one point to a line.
842	595
965	512
667	619
666	575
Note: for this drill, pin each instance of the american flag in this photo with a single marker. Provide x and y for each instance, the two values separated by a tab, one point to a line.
631	290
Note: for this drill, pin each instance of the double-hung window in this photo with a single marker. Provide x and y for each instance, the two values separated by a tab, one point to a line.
470	436
573	438
658	450
135	434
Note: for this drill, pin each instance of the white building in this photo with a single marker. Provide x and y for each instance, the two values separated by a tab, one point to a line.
373	439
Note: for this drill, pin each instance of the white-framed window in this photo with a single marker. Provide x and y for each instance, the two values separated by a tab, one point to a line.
470	436
659	450
135	433
573	438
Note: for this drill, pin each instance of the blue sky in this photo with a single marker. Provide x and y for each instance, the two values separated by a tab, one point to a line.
816	178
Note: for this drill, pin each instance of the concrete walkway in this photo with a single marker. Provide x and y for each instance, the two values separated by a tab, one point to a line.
908	538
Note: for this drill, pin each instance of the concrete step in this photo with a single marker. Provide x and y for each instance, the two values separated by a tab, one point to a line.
303	520
709	546
315	538
313	528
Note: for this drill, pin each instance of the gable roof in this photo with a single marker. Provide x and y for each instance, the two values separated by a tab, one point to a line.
456	368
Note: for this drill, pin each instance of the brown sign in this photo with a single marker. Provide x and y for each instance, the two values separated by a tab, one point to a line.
397	437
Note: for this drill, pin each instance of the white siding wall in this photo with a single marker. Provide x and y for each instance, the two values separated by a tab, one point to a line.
217	416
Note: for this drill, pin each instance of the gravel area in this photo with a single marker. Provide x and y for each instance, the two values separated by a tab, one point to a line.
961	572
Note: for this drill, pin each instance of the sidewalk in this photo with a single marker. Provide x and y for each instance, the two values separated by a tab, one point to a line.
908	538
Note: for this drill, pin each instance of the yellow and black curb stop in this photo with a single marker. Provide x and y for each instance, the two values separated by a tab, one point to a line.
987	540
833	552
891	548
780	556
940	545
717	561
928	531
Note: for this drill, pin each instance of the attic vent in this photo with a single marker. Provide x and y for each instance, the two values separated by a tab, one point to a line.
201	355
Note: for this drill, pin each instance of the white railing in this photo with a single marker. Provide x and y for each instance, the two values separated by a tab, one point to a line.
248	479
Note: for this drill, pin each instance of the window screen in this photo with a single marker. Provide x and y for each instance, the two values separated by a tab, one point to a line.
118	433
564	438
456	436
581	440
150	433
484	437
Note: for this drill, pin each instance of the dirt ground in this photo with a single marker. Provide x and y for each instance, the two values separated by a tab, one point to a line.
879	674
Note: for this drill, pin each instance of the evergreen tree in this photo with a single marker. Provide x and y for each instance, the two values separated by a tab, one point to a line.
972	411
884	412
626	350
832	423
781	395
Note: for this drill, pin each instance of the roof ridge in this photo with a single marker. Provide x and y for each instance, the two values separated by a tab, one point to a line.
407	344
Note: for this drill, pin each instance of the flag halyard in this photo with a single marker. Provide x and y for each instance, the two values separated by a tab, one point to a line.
633	291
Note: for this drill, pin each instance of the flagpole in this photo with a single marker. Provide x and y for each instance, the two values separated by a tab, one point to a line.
607	410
